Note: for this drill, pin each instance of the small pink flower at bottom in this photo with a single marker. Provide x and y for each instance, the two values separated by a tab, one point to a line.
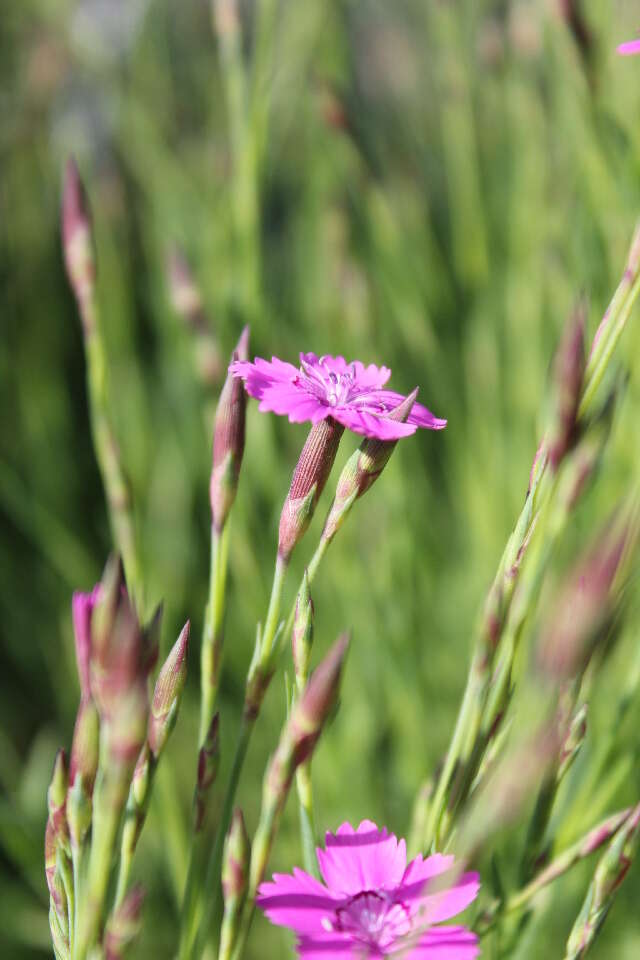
628	48
372	903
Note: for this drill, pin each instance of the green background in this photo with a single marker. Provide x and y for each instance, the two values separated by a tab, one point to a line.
440	182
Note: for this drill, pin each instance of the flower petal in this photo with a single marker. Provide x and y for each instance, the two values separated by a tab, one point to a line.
372	425
434	901
362	859
444	943
334	946
299	901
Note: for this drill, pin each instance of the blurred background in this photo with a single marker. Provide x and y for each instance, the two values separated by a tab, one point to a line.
430	185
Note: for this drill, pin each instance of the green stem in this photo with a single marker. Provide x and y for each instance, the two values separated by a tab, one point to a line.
212	637
307	819
211	908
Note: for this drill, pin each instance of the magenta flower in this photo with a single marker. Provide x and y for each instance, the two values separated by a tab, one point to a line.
628	48
374	904
327	386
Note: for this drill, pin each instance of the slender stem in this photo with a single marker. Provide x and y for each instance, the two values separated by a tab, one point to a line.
307	819
211	907
273	613
78	862
116	486
212	638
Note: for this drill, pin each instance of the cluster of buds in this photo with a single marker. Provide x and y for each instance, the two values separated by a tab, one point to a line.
362	470
309	479
296	744
165	704
228	440
114	726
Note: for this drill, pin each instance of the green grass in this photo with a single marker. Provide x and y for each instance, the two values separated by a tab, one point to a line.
484	176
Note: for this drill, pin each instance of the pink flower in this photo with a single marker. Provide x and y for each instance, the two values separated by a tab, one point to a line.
629	48
374	904
327	386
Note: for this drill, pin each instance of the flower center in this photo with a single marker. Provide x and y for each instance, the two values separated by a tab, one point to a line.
374	920
324	383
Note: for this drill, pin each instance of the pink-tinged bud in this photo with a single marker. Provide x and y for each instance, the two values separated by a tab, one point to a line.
318	699
228	442
573	741
85	746
57	801
302	635
235	861
585	605
568	376
167	693
208	763
124	924
362	469
77	240
309	478
119	657
82	606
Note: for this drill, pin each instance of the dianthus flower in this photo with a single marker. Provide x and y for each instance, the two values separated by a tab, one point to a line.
374	904
322	387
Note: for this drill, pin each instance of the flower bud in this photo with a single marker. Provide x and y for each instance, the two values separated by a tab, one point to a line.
235	860
124	924
82	606
573	742
312	709
57	795
208	763
167	693
228	441
306	720
302	635
568	376
77	239
309	478
85	746
79	811
362	469
585	605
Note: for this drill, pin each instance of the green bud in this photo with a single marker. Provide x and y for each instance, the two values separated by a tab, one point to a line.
167	693
85	746
302	635
79	811
362	469
228	440
208	763
235	861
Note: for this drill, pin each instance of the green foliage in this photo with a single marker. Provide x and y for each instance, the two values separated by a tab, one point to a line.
436	184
